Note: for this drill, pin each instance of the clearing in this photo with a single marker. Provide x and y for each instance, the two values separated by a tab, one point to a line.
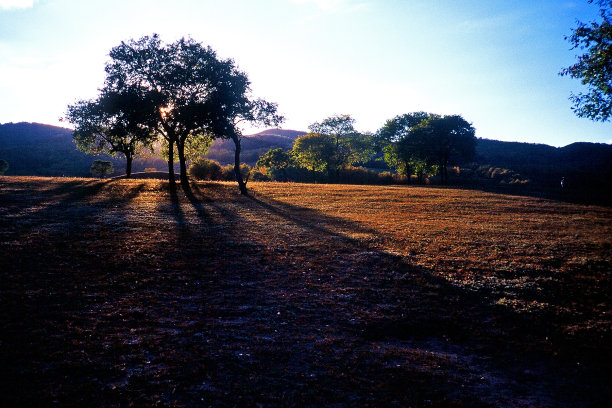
119	293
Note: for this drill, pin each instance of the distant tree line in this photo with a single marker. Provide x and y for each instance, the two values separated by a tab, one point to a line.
416	144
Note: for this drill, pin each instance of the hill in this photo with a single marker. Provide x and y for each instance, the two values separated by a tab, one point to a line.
253	146
44	150
120	293
584	165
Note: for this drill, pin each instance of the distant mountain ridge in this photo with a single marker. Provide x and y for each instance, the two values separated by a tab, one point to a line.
45	150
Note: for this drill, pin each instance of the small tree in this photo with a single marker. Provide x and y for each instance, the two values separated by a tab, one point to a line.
3	166
116	122
101	168
594	67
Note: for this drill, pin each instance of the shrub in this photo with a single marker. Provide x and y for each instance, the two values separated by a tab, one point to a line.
205	169
101	168
150	170
227	172
258	175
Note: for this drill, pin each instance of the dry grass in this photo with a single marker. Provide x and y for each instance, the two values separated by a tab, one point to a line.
119	293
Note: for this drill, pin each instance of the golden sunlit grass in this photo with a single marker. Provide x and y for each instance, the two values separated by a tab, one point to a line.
121	291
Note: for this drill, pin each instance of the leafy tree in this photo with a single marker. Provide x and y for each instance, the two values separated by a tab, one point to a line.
101	168
350	146
276	159
410	154
594	67
3	166
404	150
396	128
315	151
445	140
195	94
116	122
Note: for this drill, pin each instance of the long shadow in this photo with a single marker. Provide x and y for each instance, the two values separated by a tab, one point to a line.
71	197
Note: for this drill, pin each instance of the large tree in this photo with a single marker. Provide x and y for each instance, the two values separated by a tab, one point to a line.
114	123
195	93
594	67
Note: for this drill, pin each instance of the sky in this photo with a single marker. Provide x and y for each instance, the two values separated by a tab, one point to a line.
494	62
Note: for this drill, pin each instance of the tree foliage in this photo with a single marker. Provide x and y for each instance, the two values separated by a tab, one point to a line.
594	66
348	145
118	121
419	143
3	166
194	95
276	159
315	151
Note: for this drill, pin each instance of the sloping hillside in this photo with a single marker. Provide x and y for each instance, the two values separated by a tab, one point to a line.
582	164
253	146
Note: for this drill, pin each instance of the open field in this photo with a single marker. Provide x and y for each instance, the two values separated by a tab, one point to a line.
120	293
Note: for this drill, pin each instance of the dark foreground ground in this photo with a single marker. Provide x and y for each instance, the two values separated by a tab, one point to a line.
119	293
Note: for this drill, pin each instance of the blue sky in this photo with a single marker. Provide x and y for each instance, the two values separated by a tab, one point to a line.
494	62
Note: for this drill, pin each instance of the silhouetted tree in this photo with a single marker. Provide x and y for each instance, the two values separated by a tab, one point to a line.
3	166
101	168
196	94
115	122
594	67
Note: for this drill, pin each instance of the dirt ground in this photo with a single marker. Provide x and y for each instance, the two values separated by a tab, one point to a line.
119	293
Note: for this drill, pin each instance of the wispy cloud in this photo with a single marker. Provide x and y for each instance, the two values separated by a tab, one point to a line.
16	4
335	5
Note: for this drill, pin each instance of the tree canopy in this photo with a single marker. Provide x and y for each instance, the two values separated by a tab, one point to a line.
347	145
191	95
115	122
594	66
419	143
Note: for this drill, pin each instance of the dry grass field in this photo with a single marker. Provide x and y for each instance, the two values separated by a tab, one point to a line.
119	293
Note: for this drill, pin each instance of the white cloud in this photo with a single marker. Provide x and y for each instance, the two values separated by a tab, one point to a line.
16	4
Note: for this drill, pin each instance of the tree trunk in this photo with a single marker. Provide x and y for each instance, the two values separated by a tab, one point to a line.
241	183
128	166
171	165
183	164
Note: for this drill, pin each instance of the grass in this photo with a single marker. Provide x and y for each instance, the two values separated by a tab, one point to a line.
120	293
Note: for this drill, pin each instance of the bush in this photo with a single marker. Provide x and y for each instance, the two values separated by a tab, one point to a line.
258	175
101	168
205	169
227	172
